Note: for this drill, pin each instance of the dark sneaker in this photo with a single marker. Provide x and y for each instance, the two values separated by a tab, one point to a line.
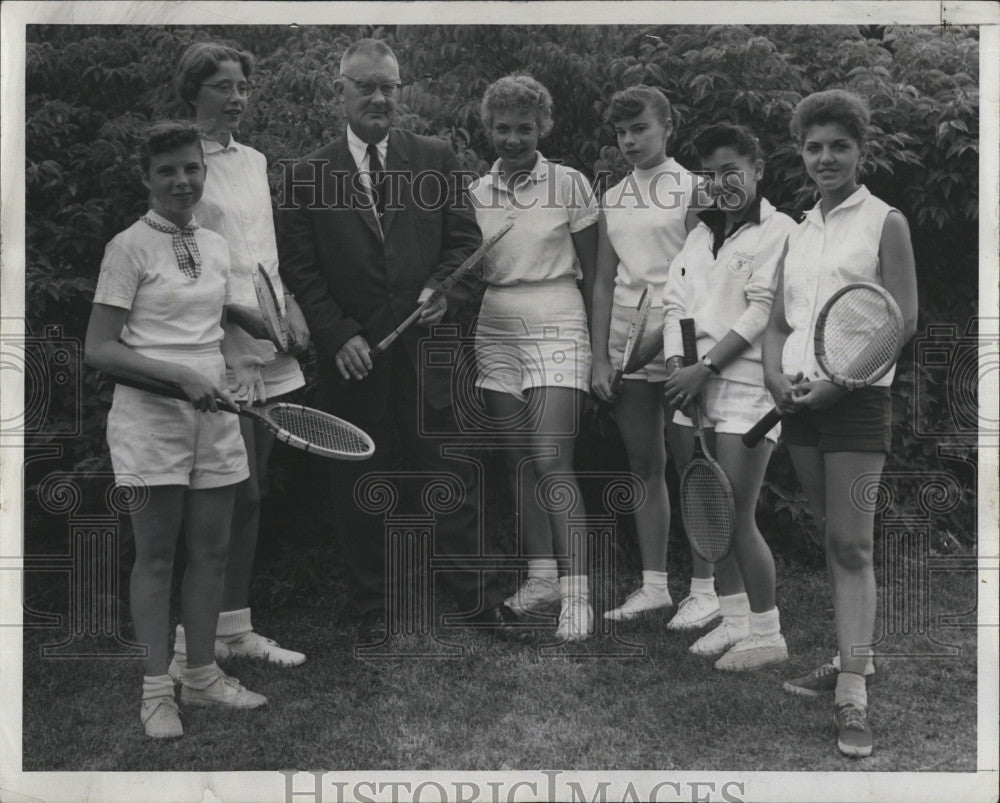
854	737
822	680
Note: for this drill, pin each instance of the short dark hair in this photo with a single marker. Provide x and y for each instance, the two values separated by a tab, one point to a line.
631	102
201	60
367	47
831	106
725	135
164	137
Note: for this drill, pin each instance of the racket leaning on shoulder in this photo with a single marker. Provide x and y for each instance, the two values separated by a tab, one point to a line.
631	356
708	507
859	333
300	427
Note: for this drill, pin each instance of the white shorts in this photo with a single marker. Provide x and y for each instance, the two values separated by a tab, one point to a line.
731	408
164	441
533	335
621	320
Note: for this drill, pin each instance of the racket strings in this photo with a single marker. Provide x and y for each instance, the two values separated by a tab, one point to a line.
860	336
319	429
707	509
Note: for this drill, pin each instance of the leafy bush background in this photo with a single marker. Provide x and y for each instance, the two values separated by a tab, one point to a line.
91	88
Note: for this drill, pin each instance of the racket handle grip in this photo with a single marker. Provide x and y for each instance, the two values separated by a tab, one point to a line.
756	433
167	389
690	341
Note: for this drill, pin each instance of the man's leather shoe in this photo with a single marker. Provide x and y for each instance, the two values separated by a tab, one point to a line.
500	621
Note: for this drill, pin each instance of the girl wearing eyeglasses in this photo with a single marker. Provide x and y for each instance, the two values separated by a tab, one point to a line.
214	80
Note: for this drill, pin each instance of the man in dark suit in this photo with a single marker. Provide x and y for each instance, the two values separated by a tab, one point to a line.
368	227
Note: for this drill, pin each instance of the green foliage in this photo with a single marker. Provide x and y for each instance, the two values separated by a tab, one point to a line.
91	88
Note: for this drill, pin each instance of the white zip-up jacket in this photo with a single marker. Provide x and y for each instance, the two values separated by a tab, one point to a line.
732	288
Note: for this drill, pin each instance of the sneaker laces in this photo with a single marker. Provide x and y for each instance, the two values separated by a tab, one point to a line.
689	600
232	683
852	717
254	636
637	594
533	584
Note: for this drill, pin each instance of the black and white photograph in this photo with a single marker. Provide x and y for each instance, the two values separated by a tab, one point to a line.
329	473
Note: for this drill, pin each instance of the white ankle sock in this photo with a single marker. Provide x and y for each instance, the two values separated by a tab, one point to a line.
543	568
734	607
703	585
851	689
233	623
574	585
656	580
200	674
766	623
154	686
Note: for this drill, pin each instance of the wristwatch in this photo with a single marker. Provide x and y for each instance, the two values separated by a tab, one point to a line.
707	362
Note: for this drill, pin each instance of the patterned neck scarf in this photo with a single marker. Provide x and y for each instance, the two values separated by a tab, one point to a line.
184	245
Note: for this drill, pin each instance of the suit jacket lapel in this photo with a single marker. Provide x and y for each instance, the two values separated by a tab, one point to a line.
356	196
397	159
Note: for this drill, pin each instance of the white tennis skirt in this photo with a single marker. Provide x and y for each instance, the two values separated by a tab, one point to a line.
533	335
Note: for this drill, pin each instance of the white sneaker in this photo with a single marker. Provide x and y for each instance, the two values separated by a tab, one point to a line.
717	641
754	652
254	645
537	594
695	611
646	598
576	619
219	689
160	717
244	645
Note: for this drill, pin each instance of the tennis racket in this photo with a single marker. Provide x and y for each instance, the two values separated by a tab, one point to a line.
300	427
859	333
444	287
636	329
267	301
708	507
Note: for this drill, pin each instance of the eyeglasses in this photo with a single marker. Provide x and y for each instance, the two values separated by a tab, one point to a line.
227	88
389	89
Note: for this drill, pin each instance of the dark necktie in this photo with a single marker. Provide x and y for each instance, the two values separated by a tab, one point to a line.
377	179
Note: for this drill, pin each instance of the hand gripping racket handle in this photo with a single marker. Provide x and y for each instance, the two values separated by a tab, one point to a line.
689	339
756	433
443	288
168	389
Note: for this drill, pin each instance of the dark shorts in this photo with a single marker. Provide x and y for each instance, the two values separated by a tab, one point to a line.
860	422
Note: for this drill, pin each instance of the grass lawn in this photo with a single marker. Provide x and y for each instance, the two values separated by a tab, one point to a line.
507	706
